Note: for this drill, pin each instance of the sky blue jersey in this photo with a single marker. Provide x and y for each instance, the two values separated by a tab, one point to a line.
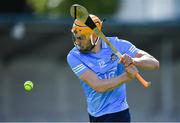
105	65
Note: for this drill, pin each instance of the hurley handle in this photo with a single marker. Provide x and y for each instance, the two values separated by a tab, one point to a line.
145	83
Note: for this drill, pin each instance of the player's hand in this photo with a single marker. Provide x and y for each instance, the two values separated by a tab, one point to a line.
131	71
126	60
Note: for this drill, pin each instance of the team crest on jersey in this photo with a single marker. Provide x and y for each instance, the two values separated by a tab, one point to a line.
113	57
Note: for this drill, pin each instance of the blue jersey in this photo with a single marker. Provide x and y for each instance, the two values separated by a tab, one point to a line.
105	65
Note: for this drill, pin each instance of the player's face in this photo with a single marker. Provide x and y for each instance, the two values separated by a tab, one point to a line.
83	43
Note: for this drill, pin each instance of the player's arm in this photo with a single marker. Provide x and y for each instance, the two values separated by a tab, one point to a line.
136	56
89	77
145	61
106	84
142	60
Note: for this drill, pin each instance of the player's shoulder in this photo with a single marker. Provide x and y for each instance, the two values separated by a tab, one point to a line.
115	40
73	52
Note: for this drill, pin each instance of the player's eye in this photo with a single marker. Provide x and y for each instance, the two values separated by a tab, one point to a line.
79	38
76	37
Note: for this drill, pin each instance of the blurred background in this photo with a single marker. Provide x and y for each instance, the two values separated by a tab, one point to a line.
35	38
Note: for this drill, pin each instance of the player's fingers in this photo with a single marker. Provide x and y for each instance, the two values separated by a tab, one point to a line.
124	58
127	60
121	59
131	70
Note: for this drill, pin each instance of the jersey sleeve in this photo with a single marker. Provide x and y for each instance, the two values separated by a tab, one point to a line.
127	47
76	65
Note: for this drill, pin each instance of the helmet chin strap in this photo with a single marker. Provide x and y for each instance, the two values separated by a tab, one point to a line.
90	48
92	42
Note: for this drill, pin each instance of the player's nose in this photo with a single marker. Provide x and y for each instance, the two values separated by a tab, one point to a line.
78	42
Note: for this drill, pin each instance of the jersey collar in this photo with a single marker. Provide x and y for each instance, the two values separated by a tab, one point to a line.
103	44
